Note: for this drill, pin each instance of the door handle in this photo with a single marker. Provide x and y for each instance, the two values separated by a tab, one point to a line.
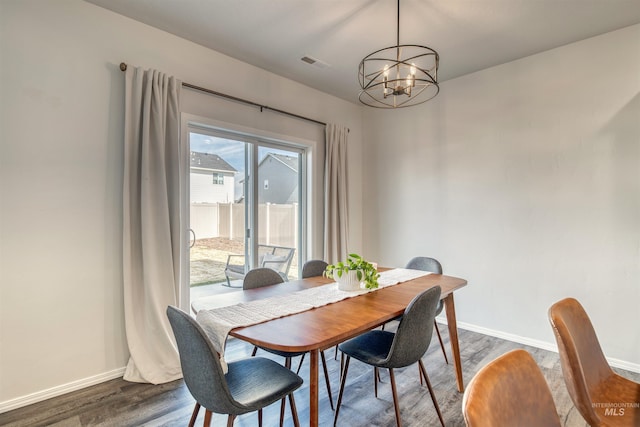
193	241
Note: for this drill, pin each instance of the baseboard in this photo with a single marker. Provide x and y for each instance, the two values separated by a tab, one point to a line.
39	396
544	345
623	364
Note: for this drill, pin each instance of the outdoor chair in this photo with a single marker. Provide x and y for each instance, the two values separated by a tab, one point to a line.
277	258
249	385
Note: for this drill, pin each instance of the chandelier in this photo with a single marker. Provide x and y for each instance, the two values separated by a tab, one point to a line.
399	76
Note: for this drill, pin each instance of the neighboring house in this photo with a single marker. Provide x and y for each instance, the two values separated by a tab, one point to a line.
212	179
278	179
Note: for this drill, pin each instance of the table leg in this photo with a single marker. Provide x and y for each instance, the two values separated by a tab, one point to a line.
450	310
313	388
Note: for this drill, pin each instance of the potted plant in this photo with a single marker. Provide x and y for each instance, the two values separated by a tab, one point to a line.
351	273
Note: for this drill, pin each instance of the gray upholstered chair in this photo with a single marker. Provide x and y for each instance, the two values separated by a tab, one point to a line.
509	391
384	349
258	278
249	385
314	267
434	266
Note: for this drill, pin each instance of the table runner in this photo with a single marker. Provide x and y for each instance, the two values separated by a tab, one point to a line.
218	322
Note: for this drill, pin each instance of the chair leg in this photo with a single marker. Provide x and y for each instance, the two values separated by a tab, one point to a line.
444	352
282	405
300	364
394	391
375	381
343	379
260	418
433	396
230	420
194	415
294	411
287	364
207	418
326	378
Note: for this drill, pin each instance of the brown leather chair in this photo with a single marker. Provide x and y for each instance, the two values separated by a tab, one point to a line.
509	391
602	397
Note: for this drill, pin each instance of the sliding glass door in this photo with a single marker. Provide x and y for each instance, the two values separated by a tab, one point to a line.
278	201
217	213
244	207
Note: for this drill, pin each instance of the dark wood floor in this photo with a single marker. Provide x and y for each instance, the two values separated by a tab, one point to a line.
121	403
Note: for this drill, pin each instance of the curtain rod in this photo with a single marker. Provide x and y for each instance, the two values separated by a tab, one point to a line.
123	67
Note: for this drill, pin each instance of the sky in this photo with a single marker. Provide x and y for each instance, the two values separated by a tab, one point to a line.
230	150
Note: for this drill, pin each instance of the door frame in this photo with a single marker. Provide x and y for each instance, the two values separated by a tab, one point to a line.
258	138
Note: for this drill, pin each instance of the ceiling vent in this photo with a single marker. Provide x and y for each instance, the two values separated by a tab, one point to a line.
314	61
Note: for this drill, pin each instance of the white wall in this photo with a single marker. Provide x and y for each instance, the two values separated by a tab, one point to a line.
525	180
203	190
61	309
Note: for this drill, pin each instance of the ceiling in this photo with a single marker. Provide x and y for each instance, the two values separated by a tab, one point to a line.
469	35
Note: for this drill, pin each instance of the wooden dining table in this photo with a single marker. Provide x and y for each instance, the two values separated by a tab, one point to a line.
323	327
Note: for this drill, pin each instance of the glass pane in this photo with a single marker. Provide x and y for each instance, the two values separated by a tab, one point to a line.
278	210
217	213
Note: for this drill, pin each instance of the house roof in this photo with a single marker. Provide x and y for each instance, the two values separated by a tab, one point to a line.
289	161
210	161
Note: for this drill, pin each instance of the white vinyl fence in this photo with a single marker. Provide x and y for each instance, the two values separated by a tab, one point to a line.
278	224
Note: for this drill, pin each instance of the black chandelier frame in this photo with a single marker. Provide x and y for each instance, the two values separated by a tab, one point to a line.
419	84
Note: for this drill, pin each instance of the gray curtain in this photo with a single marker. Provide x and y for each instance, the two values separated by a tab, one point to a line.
151	223
336	218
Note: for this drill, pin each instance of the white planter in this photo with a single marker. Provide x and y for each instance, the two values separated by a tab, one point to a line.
349	281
